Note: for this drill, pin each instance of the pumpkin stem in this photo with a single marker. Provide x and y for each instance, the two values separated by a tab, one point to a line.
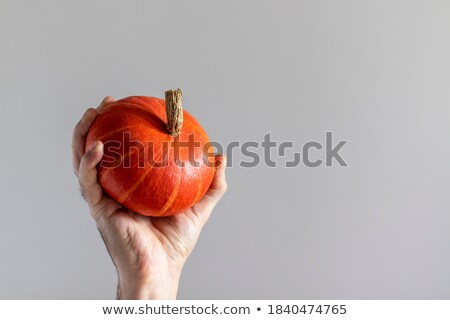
174	111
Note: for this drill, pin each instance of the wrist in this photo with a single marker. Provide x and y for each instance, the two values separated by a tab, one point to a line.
160	288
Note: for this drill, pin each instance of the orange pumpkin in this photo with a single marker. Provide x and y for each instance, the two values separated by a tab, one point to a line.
157	160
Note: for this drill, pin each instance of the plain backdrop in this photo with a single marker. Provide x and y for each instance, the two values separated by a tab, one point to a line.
375	73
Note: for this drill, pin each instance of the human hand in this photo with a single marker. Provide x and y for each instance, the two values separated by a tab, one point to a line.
148	252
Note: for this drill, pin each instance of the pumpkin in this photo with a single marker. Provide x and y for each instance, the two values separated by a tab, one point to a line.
157	159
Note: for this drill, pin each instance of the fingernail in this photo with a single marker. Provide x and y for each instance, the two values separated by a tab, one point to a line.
219	160
88	111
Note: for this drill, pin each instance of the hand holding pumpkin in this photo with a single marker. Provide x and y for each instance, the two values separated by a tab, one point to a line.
148	252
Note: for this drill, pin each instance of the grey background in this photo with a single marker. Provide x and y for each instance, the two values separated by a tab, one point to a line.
376	73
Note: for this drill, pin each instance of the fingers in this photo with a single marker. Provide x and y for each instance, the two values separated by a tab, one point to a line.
81	130
79	136
219	183
217	189
106	101
87	174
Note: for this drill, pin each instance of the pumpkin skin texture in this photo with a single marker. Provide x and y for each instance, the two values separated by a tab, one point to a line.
141	172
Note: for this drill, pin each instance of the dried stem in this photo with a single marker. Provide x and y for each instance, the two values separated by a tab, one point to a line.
174	111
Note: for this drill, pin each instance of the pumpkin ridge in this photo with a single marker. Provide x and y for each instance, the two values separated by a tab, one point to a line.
125	195
147	114
174	193
199	189
114	131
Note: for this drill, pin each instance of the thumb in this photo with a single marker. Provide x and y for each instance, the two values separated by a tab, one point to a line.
90	189
215	192
219	183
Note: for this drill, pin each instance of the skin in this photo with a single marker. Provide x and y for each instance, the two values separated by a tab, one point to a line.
149	253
